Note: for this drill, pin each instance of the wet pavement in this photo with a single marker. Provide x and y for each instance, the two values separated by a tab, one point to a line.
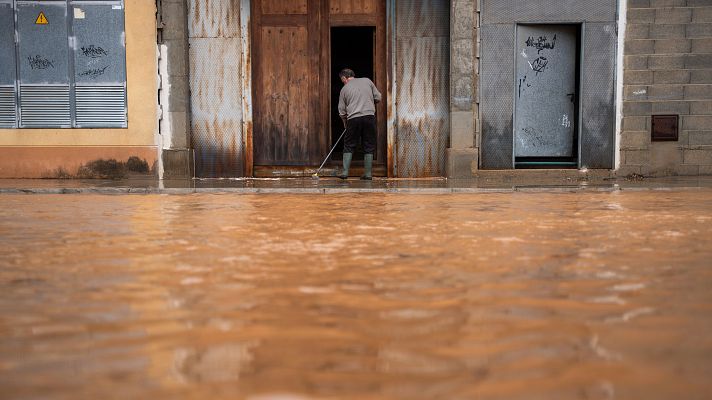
489	181
509	295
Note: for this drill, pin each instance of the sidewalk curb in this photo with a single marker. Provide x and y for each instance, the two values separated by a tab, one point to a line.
336	191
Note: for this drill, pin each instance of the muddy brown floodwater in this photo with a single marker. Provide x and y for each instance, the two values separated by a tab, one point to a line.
357	296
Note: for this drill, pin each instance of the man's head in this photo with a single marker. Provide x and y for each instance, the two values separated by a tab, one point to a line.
346	74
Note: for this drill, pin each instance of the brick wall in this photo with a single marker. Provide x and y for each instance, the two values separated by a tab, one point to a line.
667	70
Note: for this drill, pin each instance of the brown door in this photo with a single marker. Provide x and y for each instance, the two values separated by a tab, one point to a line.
291	76
286	44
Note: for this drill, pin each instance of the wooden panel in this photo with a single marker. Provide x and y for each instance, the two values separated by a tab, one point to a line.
284	20
284	6
355	19
352	6
284	117
298	85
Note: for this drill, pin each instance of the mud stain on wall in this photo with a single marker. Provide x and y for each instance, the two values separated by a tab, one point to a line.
106	169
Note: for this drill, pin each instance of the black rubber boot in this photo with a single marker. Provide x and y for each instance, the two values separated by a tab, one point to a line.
368	167
347	165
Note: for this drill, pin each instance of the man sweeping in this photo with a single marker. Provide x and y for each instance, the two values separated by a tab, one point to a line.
357	108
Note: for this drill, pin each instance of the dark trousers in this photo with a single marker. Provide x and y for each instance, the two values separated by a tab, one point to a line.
361	129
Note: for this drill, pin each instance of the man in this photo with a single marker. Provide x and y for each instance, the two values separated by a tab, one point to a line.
357	108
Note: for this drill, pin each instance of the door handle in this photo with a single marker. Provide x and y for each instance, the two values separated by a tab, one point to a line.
572	97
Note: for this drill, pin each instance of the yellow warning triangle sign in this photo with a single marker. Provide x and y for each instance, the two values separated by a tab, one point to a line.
41	19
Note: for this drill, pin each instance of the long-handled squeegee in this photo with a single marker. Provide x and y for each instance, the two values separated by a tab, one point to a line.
316	174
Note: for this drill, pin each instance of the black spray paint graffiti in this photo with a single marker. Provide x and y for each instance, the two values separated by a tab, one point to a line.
539	65
39	62
541	43
94	72
523	84
92	51
535	138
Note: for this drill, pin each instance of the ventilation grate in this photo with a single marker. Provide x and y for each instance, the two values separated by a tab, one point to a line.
8	118
44	107
101	106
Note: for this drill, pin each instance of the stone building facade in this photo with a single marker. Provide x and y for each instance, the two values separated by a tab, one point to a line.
470	85
668	71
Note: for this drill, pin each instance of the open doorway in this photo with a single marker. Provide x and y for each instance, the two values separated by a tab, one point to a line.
351	47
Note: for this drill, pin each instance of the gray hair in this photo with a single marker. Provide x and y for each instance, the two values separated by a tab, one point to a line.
347	73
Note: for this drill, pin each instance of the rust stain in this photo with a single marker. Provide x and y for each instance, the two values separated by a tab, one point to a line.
249	153
214	18
247	98
390	165
390	95
422	92
216	88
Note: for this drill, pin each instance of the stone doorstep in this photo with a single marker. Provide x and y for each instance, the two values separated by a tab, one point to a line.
534	175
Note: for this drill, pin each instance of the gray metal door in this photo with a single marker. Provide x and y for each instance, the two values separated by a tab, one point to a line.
545	91
44	64
8	68
99	64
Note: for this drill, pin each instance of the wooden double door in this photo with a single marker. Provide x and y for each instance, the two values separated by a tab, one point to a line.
293	73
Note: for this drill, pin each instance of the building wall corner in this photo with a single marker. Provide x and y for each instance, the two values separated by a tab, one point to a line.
462	155
175	155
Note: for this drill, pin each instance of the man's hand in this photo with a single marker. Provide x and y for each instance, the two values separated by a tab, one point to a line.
344	120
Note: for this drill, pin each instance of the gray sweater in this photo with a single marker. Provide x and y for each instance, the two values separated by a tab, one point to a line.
358	98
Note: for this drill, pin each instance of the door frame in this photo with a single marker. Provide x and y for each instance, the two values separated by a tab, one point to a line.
388	107
246	77
381	74
579	85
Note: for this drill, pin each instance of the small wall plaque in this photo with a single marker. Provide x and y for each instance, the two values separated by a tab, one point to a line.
664	128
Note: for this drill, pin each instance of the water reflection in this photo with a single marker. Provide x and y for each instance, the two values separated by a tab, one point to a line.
361	296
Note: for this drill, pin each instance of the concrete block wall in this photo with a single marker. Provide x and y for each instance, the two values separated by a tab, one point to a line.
667	70
174	92
463	153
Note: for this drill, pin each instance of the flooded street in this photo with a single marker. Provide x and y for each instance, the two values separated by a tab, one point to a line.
592	295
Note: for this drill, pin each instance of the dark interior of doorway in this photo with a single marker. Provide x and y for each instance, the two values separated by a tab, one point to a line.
560	162
351	47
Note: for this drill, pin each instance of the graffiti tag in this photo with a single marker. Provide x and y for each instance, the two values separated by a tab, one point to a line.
541	43
539	65
535	138
94	72
565	121
92	51
39	62
523	85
